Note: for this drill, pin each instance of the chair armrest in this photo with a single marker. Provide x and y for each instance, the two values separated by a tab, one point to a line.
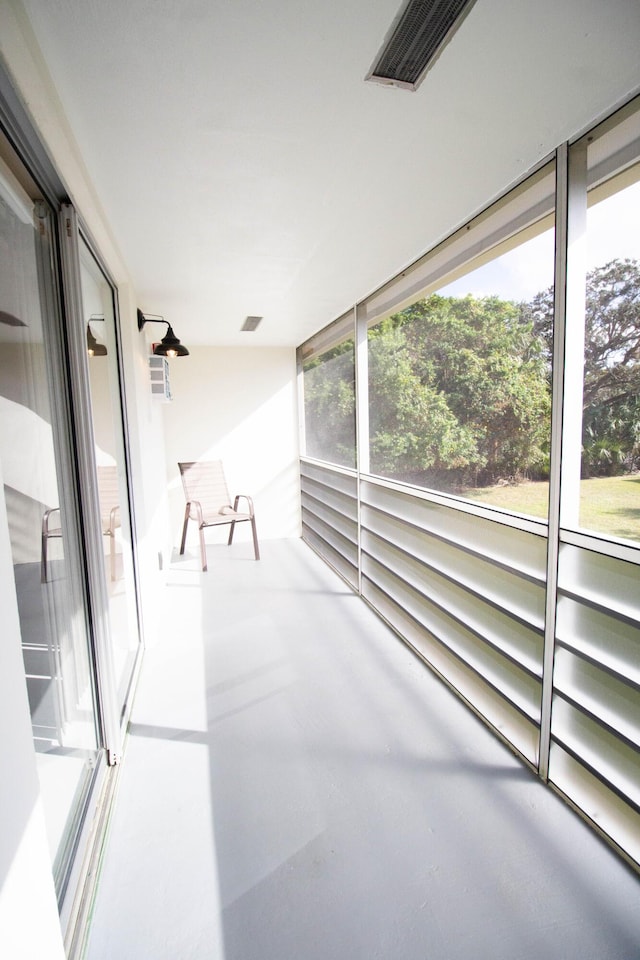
113	519
196	506
45	520
243	496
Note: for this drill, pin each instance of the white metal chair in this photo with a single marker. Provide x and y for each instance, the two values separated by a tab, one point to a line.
109	519
109	497
209	504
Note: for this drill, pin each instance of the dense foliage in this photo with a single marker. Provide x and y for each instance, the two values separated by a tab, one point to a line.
611	393
460	388
330	406
475	400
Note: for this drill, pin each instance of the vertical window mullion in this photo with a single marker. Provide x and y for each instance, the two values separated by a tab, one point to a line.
362	390
362	415
566	425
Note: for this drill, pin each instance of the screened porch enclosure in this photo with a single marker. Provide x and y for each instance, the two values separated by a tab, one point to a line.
470	467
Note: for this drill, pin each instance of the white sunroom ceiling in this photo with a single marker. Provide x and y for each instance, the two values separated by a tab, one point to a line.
247	169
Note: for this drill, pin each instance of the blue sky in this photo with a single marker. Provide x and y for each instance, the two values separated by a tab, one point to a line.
613	231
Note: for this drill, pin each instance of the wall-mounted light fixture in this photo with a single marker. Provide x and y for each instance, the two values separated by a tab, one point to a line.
169	346
95	349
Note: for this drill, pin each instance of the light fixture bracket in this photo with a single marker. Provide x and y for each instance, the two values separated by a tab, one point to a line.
95	349
170	345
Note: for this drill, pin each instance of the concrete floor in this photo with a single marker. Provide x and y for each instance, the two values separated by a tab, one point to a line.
298	786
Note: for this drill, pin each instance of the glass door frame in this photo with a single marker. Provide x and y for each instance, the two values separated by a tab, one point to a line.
114	720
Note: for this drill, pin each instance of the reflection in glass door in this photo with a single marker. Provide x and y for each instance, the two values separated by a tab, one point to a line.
108	437
39	491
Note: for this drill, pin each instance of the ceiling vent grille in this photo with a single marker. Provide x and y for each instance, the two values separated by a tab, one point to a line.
417	35
250	324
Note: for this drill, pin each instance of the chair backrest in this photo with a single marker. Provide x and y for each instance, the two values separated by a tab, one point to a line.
108	493
204	480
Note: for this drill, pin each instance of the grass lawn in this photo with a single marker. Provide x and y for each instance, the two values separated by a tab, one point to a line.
607	504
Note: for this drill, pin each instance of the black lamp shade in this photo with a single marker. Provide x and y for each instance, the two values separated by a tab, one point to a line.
170	346
94	349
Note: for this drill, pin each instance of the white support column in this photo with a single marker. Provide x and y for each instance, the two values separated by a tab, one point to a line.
362	389
302	436
566	425
362	412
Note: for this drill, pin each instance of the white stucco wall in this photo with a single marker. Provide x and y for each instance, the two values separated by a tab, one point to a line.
238	405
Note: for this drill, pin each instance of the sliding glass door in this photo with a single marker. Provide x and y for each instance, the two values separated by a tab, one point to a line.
39	488
98	320
65	482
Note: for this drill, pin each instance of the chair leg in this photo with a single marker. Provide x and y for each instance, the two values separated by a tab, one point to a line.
255	537
43	559
233	526
184	529
203	549
112	553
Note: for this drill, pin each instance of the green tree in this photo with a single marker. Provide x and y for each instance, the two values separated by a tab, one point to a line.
462	389
329	405
611	390
412	429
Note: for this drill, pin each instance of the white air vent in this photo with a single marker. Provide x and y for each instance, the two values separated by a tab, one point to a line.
416	37
159	376
250	324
